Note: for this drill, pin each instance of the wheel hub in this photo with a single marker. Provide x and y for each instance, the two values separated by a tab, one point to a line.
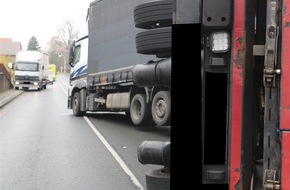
160	108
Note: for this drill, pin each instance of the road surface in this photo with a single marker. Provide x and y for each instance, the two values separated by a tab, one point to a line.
43	146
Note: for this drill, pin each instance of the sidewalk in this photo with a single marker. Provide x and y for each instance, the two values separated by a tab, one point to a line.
9	95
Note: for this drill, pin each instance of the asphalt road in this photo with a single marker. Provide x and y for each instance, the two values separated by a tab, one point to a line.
43	146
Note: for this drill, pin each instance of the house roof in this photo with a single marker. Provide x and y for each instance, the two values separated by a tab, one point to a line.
8	47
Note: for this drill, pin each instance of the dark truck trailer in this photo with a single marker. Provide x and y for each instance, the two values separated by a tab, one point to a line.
128	61
112	36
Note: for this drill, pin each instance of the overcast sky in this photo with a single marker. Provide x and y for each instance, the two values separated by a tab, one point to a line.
21	19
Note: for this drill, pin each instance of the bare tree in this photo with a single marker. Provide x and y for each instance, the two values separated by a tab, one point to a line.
59	45
55	47
67	32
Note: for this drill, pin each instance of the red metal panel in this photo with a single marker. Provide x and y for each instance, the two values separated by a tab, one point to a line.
285	97
285	77
285	170
237	86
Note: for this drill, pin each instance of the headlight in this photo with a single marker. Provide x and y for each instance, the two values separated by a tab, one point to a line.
35	83
219	42
16	82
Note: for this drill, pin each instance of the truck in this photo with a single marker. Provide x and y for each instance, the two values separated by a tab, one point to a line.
52	72
120	65
238	61
31	70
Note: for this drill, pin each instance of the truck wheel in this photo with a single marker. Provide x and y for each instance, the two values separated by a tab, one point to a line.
157	179
76	105
161	108
154	42
154	14
140	110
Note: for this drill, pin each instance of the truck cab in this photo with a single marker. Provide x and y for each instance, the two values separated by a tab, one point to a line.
78	59
31	70
52	72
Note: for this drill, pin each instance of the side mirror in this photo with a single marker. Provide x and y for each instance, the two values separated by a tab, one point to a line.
71	56
10	65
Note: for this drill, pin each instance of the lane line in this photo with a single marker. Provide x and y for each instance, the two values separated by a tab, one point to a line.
61	86
110	149
115	155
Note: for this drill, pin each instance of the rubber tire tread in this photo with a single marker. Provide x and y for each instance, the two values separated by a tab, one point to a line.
156	179
77	112
166	120
154	42
147	15
146	118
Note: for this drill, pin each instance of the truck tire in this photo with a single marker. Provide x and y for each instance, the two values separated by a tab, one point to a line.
140	111
161	108
76	105
154	42
157	179
154	14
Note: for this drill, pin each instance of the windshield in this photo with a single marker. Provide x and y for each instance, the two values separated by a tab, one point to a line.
27	66
77	54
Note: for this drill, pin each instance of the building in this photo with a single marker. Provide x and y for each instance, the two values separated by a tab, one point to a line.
8	51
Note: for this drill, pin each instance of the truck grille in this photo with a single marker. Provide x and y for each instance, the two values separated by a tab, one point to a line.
26	77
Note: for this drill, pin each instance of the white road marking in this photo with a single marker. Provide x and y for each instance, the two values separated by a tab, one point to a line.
115	155
111	150
61	86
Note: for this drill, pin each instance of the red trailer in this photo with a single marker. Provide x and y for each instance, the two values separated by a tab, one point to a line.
243	95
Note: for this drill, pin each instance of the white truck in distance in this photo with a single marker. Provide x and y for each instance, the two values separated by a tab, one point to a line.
31	70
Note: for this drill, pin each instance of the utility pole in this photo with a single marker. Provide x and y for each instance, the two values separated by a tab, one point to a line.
64	62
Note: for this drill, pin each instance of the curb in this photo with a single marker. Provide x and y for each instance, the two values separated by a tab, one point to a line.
9	98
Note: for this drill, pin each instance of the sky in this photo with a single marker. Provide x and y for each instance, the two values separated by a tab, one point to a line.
22	19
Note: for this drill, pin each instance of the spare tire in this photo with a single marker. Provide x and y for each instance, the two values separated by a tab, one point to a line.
154	14
154	42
